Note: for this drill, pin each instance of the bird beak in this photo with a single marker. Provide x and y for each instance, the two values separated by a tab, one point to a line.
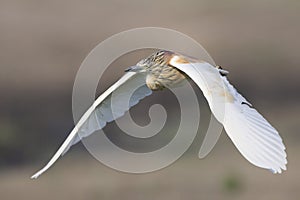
134	69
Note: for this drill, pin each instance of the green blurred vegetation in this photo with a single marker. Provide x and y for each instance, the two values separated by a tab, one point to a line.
233	183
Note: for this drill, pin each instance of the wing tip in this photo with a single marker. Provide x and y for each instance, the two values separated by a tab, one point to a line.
36	175
280	168
278	171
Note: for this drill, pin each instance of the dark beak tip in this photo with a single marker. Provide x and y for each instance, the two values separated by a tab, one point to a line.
128	69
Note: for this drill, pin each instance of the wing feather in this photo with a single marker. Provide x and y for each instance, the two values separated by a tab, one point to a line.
250	132
107	107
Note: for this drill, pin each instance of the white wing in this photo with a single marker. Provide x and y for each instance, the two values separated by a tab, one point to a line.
253	136
108	107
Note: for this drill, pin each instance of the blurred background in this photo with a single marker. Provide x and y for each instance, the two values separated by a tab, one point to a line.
42	44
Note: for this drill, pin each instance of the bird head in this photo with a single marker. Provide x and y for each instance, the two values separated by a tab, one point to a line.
157	59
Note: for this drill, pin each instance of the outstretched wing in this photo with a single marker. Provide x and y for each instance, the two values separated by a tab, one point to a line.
112	104
253	136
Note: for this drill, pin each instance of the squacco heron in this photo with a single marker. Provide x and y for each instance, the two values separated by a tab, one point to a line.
253	136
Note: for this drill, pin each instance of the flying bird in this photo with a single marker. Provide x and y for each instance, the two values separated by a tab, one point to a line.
250	132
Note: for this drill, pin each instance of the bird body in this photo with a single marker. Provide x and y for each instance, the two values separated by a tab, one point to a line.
250	132
167	77
160	74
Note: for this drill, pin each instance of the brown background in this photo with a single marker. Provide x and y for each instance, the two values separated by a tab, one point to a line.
42	44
